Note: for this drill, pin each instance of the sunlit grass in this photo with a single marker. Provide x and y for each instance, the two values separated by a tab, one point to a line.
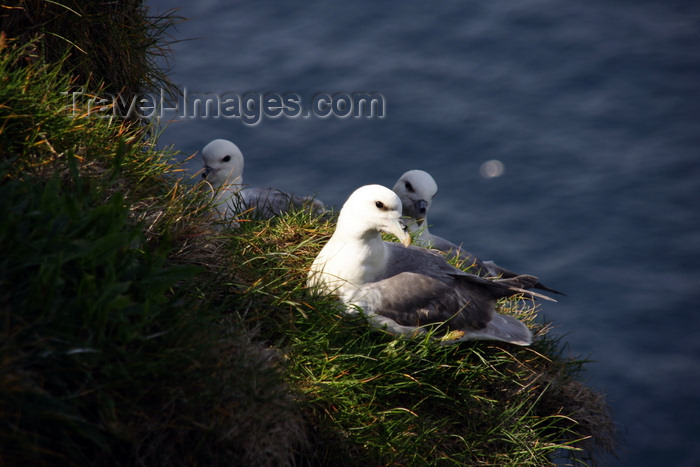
381	400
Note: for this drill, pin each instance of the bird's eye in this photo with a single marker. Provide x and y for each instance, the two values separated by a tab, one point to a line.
379	204
226	159
409	187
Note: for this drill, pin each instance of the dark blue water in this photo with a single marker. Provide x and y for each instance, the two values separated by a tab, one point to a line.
592	107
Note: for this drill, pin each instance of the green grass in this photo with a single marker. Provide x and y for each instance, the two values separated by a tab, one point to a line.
374	399
136	331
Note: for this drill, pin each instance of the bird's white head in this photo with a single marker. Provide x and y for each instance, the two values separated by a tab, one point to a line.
371	209
223	163
416	189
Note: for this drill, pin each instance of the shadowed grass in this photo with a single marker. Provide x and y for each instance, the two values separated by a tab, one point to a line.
117	47
111	352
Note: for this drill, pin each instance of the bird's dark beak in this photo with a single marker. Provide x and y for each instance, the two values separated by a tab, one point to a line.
421	206
207	171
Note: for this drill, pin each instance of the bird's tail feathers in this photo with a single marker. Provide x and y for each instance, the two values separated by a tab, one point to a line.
522	284
497	271
501	328
499	288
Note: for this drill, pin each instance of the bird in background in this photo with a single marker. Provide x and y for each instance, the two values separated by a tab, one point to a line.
223	170
416	189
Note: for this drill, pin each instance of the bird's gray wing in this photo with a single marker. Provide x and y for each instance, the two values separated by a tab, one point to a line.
432	264
410	301
269	202
417	259
482	268
468	259
497	271
413	299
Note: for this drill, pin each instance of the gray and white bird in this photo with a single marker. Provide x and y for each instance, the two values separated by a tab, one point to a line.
406	289
223	169
416	190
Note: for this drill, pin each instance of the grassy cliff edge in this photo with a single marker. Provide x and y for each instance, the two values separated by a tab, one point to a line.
137	331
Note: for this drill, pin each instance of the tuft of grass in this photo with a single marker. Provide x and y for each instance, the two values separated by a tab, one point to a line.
118	47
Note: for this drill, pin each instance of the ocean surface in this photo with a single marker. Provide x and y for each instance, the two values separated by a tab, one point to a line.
592	109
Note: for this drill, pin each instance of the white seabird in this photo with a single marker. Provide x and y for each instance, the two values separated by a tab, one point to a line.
406	288
223	169
416	190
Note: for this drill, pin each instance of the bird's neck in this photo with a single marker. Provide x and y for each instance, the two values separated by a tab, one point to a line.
227	187
224	193
363	252
369	257
233	181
